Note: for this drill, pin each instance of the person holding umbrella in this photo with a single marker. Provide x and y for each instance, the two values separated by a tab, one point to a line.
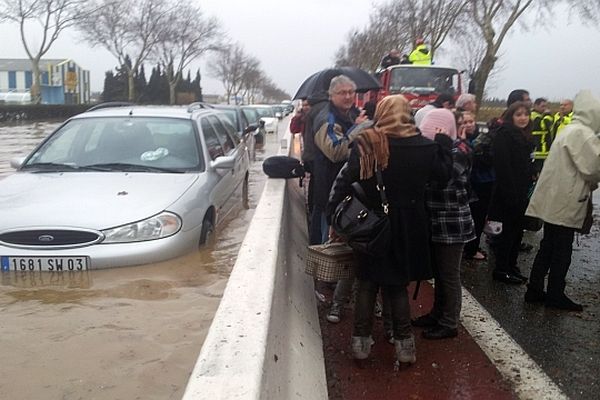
333	122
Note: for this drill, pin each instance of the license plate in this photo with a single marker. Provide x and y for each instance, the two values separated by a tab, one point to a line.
56	264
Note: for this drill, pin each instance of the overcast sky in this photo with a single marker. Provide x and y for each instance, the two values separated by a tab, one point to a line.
293	39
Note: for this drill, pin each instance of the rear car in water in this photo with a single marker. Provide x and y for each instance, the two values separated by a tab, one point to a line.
121	186
248	130
267	114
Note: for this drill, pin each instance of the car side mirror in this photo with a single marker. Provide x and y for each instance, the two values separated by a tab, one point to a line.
223	162
17	162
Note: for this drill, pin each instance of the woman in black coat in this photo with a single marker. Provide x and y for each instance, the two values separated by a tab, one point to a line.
512	148
408	162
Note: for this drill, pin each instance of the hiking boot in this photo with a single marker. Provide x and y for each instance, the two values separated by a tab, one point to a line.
361	346
533	296
424	321
507	278
335	313
440	332
564	303
406	351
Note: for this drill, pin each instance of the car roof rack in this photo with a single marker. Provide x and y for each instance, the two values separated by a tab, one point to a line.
110	104
198	105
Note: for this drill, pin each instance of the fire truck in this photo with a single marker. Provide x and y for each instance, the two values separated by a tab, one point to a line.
420	84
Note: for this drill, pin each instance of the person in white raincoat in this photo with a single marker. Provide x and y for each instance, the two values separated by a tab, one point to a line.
569	176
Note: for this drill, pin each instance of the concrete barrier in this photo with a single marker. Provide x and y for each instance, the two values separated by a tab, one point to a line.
265	340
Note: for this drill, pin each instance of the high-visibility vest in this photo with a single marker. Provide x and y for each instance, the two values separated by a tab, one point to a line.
420	55
560	122
541	131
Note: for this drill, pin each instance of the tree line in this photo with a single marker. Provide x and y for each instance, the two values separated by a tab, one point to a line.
170	33
155	90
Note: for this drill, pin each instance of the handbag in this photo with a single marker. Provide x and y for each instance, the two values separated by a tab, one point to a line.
366	230
330	262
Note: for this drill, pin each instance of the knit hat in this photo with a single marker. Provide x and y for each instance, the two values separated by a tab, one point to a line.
436	121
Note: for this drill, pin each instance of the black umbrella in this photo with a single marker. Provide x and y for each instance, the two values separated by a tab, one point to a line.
318	83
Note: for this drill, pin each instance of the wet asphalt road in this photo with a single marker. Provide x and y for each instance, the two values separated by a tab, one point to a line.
566	345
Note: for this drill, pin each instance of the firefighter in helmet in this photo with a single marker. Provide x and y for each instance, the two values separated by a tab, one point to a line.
421	54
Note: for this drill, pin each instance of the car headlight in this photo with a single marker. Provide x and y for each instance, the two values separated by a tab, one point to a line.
160	226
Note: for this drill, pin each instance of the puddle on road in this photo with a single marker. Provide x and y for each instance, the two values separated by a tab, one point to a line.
122	333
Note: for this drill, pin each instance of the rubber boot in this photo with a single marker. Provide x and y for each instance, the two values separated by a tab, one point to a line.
406	351
361	346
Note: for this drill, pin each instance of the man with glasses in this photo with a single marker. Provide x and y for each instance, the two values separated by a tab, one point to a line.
331	128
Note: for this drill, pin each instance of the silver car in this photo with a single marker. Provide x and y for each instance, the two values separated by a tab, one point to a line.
121	186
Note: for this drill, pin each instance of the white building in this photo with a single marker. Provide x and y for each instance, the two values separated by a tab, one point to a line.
62	81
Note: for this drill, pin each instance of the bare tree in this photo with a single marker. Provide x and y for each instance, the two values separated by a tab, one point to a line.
51	16
272	93
228	66
397	25
188	36
431	20
494	19
252	77
365	48
468	51
132	28
589	10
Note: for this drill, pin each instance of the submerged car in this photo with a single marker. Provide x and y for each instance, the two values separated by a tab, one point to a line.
121	186
279	111
267	114
246	130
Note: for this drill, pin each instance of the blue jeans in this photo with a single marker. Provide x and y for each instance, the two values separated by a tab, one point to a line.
319	230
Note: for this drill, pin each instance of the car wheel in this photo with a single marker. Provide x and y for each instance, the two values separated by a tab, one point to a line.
206	231
245	196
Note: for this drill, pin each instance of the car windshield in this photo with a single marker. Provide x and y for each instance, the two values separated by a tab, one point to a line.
135	144
265	112
423	80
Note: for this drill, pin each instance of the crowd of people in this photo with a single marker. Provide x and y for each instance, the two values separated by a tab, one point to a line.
445	180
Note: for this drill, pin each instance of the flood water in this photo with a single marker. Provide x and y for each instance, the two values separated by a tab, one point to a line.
122	333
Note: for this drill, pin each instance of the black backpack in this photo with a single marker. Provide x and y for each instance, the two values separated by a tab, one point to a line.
283	167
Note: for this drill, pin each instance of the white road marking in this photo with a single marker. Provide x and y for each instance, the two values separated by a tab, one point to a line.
528	379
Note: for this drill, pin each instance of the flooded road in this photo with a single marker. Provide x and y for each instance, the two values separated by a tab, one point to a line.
18	139
123	333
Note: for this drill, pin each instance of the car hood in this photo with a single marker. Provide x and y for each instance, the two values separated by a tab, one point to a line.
87	199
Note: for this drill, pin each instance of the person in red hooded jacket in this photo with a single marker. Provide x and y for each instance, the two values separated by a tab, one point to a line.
297	122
